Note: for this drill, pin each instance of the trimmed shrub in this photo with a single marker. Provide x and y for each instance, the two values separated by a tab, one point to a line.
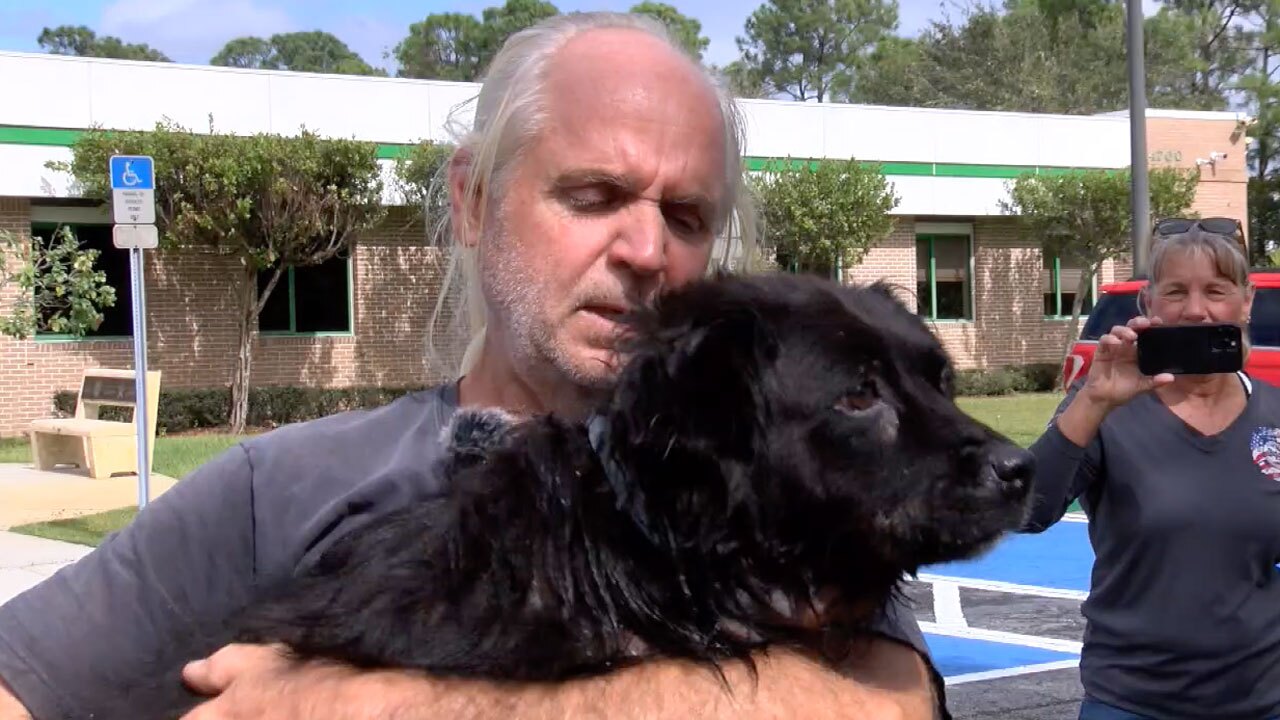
184	409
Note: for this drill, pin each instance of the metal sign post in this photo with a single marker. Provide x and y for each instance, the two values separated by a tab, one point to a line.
133	206
1139	189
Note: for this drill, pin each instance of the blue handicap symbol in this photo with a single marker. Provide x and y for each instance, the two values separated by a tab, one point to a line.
132	172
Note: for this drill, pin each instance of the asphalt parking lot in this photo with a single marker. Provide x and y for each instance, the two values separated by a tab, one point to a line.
1005	629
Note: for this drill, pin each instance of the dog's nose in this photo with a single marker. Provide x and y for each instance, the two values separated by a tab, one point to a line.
1012	463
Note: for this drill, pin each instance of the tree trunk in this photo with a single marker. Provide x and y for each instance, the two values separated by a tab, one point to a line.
1073	329
251	304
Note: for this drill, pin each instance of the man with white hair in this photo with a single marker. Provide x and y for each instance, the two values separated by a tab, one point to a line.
601	167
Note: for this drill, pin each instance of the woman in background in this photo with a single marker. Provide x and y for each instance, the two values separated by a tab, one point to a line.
1180	479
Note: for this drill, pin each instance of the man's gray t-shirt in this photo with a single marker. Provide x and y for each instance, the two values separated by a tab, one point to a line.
1183	616
251	516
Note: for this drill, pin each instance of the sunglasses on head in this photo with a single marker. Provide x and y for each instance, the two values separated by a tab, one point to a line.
1216	225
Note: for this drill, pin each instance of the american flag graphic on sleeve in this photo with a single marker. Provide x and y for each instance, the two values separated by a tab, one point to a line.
1265	446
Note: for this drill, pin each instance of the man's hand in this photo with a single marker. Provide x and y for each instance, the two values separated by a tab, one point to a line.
888	682
259	681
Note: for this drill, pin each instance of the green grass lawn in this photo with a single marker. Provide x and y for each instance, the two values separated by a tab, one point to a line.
1021	417
86	530
175	457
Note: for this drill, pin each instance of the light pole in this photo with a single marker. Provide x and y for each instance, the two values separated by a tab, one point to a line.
1139	189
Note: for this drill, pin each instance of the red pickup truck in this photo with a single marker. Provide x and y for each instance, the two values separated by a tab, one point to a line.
1118	303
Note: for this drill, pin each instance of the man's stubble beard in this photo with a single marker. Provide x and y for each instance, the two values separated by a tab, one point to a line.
516	290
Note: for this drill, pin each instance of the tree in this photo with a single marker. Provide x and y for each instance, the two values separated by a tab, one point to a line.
894	74
1058	56
247	52
457	46
269	201
742	81
824	215
80	40
444	46
314	51
1260	85
1216	47
60	289
811	49
686	30
418	174
1084	216
503	21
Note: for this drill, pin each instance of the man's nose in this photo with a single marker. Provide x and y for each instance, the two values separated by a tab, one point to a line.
640	242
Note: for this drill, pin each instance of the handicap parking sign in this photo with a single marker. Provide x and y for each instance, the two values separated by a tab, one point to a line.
133	189
132	172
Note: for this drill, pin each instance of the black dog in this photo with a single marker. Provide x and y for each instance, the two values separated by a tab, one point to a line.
779	450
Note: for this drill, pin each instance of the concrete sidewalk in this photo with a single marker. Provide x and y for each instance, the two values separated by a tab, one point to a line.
28	495
26	560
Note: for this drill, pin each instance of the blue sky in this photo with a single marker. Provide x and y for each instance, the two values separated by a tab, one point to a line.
193	30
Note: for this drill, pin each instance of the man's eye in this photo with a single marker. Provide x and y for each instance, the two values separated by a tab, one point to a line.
589	198
686	220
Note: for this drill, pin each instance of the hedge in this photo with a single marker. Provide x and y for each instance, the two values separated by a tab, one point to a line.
1036	377
183	409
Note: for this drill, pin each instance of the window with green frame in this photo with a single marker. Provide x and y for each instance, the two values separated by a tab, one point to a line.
1059	281
117	320
310	300
943	284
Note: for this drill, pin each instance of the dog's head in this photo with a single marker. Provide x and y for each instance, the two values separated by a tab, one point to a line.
813	419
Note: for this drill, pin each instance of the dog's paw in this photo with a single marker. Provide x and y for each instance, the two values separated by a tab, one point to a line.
475	430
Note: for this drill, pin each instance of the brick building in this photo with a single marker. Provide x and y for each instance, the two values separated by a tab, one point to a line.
992	297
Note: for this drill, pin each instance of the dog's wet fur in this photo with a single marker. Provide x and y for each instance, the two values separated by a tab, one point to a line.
778	452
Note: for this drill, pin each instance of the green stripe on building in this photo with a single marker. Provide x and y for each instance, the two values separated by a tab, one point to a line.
57	137
37	136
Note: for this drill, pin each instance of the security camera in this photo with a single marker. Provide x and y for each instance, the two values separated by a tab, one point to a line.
1215	156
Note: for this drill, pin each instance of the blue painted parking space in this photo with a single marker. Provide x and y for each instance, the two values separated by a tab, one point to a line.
956	656
1023	569
1059	558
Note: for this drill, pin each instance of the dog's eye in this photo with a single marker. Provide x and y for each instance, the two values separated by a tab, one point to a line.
947	383
858	400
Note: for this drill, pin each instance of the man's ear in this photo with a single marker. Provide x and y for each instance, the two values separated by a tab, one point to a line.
466	202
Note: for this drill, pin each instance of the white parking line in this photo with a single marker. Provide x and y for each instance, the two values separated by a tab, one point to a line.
1005	587
946	604
1000	636
1011	672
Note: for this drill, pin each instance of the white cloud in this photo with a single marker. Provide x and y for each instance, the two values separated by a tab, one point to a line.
191	30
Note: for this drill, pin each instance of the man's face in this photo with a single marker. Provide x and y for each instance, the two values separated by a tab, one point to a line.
614	200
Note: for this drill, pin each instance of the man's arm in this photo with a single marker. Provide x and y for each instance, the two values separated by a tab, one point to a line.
72	645
887	681
10	708
889	677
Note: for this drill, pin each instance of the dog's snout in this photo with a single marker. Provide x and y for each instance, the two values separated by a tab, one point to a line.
1012	464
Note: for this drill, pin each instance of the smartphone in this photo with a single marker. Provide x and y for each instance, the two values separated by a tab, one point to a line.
1197	349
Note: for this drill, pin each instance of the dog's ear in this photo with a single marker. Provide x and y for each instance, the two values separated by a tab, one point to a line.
474	431
701	379
889	291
